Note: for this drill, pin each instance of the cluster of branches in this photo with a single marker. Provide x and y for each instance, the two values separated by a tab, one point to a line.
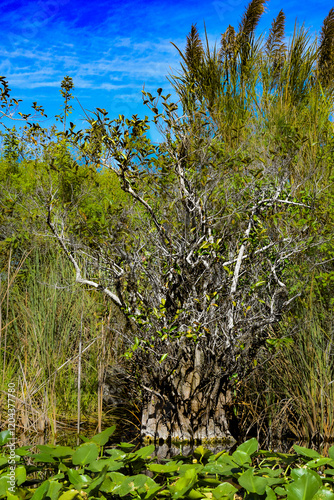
208	250
212	241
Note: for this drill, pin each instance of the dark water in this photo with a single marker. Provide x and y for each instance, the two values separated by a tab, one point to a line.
66	435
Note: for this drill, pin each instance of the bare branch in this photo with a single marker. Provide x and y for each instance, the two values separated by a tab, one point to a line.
78	277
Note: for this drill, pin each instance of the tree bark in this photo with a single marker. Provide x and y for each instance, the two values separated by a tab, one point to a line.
191	403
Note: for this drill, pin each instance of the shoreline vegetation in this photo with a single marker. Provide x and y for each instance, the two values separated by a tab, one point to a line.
94	470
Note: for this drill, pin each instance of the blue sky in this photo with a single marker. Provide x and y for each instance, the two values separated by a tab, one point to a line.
112	49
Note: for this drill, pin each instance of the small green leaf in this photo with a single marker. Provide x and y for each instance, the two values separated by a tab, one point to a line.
224	490
62	451
43	457
163	357
104	436
270	494
252	483
304	488
241	458
3	486
41	490
202	452
125	447
75	478
54	489
184	484
5	436
306	452
280	491
163	469
323	494
70	495
318	462
85	453
145	452
20	474
249	446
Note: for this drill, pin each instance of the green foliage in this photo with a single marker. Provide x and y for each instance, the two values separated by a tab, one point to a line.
92	471
194	234
65	90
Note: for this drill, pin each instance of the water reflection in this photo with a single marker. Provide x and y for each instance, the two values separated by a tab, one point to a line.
167	451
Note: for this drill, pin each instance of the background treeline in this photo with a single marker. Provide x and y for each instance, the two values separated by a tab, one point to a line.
255	102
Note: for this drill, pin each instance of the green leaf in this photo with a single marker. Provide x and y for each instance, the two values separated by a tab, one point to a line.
323	494
306	452
194	495
331	452
163	469
116	454
86	453
10	496
75	478
23	451
44	458
249	446
48	449
252	483
98	465
3	486
318	462
270	494
125	446
20	474
131	484
224	490
241	458
280	491
184	484
220	469
107	486
297	473
94	485
5	436
304	487
202	452
104	436
70	495
163	357
54	489
41	490
145	452
62	451
152	491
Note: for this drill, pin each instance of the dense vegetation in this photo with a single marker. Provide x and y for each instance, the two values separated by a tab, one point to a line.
212	250
93	471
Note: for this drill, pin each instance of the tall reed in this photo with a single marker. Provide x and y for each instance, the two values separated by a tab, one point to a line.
291	394
43	326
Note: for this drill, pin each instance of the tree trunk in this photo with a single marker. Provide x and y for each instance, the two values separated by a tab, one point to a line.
191	404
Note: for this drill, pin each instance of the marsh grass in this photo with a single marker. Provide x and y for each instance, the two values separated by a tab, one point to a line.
291	395
306	375
43	311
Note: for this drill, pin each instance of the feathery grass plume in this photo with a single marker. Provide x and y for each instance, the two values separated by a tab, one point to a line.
275	51
194	50
326	50
227	44
228	51
275	46
298	70
246	36
251	18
